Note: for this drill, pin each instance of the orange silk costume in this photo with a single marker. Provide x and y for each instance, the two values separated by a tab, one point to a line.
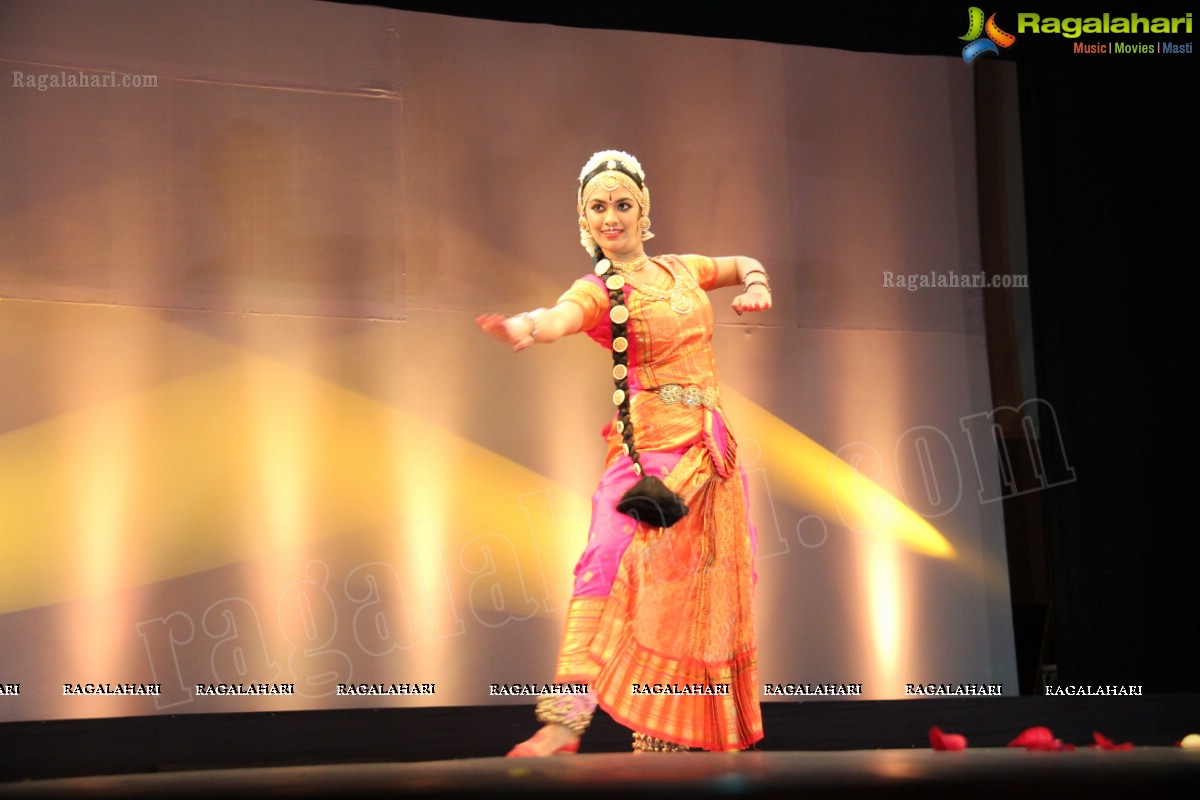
656	608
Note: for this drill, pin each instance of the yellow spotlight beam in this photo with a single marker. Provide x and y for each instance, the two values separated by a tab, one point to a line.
815	480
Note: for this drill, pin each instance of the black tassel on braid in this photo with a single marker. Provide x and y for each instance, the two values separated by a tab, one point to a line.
649	500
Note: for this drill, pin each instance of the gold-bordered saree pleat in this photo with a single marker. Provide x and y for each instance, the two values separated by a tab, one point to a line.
679	613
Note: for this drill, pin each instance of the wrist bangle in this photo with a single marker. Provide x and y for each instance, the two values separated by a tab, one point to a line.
758	283
531	318
766	279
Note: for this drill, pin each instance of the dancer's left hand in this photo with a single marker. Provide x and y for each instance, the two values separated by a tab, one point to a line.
756	298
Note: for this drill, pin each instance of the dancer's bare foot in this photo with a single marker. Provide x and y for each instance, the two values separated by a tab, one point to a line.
551	740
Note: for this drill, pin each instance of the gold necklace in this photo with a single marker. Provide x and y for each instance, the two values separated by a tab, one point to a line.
627	267
680	302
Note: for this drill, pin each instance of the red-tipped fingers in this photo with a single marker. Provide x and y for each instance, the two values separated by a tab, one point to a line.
488	322
494	326
749	302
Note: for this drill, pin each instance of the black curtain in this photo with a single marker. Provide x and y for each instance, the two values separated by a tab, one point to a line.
1110	192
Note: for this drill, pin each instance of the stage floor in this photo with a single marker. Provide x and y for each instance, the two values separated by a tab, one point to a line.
1152	772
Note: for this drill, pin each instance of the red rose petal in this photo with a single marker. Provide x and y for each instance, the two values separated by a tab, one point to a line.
1036	738
946	741
1039	738
1051	746
1104	743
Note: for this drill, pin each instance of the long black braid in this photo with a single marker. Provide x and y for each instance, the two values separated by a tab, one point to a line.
649	500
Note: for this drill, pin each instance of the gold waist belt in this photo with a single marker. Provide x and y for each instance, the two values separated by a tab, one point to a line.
690	396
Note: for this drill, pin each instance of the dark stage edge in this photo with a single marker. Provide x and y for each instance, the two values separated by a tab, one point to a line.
984	773
877	747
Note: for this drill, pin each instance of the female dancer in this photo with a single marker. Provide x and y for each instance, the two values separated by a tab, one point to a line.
659	624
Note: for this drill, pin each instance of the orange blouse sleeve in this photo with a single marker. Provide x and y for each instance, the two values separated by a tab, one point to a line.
591	299
703	269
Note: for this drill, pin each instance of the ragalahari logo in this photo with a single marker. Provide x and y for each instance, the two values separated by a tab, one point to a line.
977	27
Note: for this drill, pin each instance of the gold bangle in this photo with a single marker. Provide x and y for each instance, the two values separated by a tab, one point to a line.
531	318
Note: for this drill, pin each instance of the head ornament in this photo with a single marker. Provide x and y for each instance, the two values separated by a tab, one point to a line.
610	169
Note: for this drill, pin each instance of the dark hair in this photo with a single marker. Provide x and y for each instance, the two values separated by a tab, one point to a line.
649	500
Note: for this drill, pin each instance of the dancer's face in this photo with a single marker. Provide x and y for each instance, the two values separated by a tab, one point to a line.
612	217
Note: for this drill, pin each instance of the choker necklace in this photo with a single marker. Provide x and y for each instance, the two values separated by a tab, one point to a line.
626	267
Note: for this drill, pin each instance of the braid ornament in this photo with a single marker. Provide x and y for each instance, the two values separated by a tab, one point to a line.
649	501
